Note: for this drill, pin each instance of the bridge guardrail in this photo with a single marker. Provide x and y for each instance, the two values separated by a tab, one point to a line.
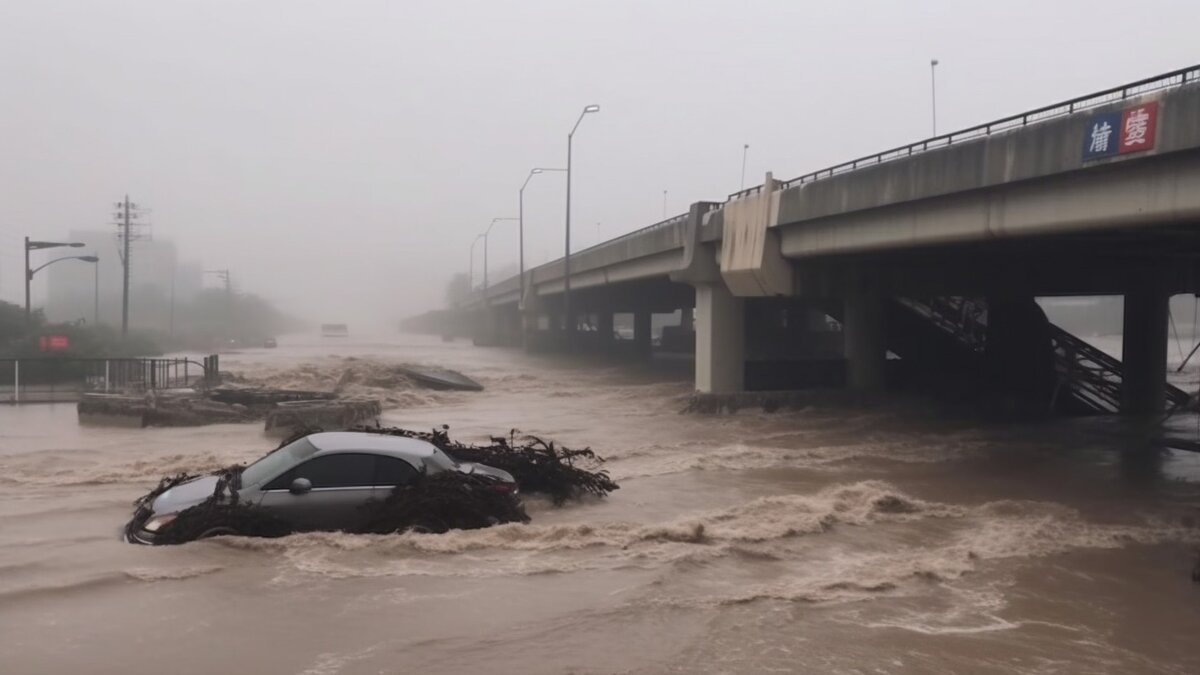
1175	78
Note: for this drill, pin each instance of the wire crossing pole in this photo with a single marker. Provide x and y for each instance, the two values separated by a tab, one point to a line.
125	248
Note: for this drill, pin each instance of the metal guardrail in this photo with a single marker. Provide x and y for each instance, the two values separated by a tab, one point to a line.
662	224
38	379
1175	78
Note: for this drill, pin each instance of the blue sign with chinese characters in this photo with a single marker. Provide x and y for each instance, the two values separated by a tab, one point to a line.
1101	137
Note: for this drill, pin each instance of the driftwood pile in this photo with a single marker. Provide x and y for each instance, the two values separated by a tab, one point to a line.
539	466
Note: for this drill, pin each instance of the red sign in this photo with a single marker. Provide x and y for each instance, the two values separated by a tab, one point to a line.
1138	126
53	343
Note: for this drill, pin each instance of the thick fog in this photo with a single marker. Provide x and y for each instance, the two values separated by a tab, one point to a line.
340	157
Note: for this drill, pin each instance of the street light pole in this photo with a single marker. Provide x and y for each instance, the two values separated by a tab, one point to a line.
933	91
471	269
745	151
521	223
485	254
37	246
569	324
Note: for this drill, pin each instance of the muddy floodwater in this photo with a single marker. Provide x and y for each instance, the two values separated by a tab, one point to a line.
825	540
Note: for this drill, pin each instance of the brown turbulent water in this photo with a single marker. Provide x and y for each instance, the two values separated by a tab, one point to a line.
825	540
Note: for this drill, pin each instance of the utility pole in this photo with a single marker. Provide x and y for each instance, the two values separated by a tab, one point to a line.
126	220
664	204
96	293
223	275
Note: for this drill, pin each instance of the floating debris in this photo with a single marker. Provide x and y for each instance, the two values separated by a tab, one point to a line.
289	416
539	466
261	396
440	378
449	500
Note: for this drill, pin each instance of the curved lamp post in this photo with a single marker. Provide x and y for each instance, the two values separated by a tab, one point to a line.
471	268
485	253
569	324
37	246
521	225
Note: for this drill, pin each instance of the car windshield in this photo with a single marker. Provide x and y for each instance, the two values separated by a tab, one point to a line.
277	462
442	461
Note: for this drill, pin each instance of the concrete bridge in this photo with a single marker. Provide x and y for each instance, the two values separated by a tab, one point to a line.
817	280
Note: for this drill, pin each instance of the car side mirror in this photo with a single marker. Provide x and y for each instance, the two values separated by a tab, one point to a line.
300	486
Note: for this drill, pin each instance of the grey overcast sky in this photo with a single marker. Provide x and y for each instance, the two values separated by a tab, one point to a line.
340	156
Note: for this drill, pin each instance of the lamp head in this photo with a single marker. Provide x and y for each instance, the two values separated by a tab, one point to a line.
592	108
89	258
535	171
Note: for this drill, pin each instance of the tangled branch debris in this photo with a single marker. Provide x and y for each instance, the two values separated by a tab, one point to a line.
539	466
444	501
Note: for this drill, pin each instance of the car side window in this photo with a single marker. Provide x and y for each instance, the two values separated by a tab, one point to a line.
330	471
390	471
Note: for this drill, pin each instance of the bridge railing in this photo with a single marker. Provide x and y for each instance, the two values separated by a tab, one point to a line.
660	225
1175	78
478	292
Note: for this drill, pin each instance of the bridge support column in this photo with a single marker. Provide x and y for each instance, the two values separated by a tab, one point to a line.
720	340
1019	353
642	338
865	343
604	325
1144	348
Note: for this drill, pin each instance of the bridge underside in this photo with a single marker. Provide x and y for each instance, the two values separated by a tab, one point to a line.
870	320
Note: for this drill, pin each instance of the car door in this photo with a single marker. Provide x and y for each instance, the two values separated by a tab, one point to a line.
342	484
390	472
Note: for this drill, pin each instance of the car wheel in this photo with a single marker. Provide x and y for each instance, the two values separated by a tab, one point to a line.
428	526
216	532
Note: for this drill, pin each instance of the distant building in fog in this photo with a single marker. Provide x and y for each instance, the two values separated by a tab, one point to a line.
156	268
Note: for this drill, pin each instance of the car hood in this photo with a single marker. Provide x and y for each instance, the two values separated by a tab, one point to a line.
485	470
185	495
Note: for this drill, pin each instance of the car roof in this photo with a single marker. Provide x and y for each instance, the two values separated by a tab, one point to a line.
350	441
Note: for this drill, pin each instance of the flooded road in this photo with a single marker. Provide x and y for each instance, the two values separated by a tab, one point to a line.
823	540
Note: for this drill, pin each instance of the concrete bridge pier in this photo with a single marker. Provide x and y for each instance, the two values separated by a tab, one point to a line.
720	340
497	326
863	332
1019	352
1144	346
643	339
605	328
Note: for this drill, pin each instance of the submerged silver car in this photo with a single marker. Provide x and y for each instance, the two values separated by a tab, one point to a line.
319	482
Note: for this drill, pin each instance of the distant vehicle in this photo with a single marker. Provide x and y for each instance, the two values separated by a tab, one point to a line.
269	343
334	330
319	482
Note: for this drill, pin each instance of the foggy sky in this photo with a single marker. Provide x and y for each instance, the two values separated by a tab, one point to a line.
339	157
